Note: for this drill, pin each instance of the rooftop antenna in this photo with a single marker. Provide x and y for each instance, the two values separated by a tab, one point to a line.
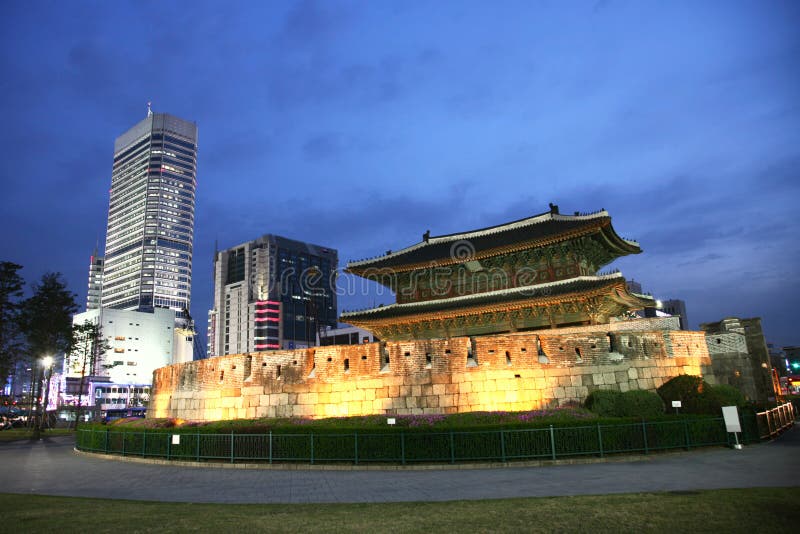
149	111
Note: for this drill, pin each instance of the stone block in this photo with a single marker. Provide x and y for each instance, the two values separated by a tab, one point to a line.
252	390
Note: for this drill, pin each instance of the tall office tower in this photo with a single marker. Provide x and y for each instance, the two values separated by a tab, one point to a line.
148	259
95	281
271	293
676	307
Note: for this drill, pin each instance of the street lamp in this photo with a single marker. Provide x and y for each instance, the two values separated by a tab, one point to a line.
47	364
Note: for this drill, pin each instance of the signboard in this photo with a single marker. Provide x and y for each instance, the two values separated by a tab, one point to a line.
731	416
176	439
676	404
390	421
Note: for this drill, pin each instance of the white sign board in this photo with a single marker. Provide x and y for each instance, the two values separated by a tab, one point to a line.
676	404
390	421
731	416
176	439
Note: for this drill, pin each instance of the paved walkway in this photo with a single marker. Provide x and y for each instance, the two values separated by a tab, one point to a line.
51	467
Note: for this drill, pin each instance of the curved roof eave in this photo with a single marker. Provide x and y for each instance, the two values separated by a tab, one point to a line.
356	266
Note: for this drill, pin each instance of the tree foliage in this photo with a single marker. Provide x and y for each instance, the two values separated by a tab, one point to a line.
46	317
11	284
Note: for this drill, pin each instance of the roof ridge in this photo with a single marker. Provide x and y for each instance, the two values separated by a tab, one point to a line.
528	221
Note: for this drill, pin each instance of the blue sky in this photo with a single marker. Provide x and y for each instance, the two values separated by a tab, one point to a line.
359	125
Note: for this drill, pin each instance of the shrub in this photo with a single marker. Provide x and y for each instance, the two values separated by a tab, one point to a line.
685	388
603	402
698	397
714	398
640	403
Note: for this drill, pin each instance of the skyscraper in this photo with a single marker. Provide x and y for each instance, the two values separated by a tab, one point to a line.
148	257
271	293
95	281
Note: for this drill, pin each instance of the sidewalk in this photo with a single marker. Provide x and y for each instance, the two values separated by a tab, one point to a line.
51	467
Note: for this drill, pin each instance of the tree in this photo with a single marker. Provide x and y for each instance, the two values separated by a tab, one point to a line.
11	284
87	351
47	317
46	322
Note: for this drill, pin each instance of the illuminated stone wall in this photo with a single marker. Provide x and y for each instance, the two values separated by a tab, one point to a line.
502	372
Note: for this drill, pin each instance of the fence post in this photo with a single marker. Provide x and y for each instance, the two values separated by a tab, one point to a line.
600	439
312	449
270	446
197	447
355	445
644	435
686	433
124	436
452	449
503	445
231	446
106	444
552	442
169	443
144	444
403	448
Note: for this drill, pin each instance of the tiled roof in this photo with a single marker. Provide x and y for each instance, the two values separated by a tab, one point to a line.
562	287
467	244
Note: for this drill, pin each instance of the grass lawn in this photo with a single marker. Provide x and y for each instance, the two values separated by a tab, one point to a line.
740	510
15	434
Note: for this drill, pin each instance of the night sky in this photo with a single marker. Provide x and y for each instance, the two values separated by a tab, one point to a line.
360	125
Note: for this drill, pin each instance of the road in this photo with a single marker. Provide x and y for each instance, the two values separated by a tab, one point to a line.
52	467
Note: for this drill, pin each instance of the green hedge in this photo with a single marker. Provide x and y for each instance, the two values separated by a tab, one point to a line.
630	404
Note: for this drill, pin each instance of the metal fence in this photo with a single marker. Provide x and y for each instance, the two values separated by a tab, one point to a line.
401	447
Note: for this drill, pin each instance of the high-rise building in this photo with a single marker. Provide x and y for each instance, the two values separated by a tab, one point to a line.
148	258
95	281
676	307
271	293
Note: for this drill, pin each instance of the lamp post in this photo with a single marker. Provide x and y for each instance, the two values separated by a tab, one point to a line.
45	362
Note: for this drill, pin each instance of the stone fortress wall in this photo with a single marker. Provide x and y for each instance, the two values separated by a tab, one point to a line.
515	371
